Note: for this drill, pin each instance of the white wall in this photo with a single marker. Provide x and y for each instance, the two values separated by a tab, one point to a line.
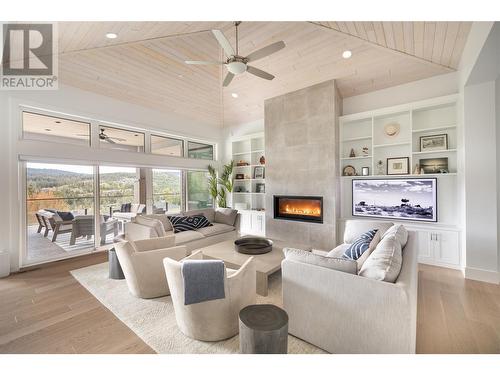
238	131
481	212
68	100
441	85
481	159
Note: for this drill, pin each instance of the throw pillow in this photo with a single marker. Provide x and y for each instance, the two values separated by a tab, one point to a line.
164	220
65	215
355	228
400	232
185	223
125	207
361	260
385	261
338	264
226	216
359	246
152	223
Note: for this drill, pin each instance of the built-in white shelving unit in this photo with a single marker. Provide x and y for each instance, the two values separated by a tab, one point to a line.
415	121
439	243
249	149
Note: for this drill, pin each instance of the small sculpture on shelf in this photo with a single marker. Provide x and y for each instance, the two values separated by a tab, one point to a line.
365	151
242	163
380	167
262	160
352	153
417	169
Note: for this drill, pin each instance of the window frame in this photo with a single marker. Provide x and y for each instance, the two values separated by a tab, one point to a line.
182	141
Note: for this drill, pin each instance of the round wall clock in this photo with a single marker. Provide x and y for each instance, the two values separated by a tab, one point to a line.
392	129
349	170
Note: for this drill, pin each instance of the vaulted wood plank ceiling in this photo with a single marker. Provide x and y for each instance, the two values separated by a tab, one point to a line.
145	64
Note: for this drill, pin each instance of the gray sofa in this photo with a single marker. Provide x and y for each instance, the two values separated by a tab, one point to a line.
193	239
346	313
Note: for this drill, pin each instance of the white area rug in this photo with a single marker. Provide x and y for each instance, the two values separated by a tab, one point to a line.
153	320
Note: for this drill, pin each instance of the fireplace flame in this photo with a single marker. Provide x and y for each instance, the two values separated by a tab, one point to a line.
301	208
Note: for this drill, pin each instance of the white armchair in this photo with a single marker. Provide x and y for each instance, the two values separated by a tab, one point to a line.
217	319
142	265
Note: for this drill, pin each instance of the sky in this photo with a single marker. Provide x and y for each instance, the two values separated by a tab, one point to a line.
390	192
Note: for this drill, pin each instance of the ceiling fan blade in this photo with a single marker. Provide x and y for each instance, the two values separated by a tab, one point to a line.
107	139
228	79
82	135
259	73
191	62
117	139
266	51
224	43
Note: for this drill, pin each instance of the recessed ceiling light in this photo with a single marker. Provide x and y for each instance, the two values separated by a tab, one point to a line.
48	130
346	54
234	95
180	76
111	36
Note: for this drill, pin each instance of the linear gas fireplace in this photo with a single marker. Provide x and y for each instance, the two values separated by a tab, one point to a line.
299	208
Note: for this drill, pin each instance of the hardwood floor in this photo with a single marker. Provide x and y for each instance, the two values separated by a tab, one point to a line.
456	315
46	310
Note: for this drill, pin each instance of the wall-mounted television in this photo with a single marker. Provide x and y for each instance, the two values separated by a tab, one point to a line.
397	199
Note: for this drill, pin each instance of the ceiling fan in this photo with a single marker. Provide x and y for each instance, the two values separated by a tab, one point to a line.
105	137
237	64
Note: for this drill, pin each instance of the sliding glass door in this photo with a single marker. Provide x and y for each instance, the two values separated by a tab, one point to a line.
167	191
119	200
59	211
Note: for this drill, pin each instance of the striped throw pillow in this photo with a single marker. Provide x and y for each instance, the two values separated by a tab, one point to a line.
185	223
359	246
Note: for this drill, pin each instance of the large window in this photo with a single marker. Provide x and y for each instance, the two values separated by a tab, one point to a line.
120	139
200	151
54	129
166	146
198	195
167	191
59	210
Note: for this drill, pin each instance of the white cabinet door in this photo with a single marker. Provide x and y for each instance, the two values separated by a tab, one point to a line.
425	247
447	248
258	224
245	222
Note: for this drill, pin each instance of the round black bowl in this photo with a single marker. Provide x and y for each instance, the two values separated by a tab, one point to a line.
253	245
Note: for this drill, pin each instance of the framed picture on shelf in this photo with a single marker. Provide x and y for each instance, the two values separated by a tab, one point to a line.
437	142
258	172
260	188
434	165
397	166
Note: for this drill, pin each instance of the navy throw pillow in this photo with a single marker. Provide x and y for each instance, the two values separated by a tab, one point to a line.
126	207
65	216
185	223
359	246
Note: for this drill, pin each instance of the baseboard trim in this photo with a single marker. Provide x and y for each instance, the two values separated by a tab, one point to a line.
478	274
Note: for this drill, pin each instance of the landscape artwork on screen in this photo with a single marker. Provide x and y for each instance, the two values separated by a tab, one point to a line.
400	199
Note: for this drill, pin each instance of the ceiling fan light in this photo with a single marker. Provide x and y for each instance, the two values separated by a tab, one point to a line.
111	35
346	54
236	67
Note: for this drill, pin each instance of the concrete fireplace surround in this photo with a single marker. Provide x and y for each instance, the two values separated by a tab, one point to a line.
301	141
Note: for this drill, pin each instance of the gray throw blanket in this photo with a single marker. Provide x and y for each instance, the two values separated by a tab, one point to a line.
203	280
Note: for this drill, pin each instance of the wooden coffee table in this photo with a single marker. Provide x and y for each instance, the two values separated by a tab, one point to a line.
265	264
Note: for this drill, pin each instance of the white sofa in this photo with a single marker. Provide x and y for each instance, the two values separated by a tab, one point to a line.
193	239
142	264
346	313
217	319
